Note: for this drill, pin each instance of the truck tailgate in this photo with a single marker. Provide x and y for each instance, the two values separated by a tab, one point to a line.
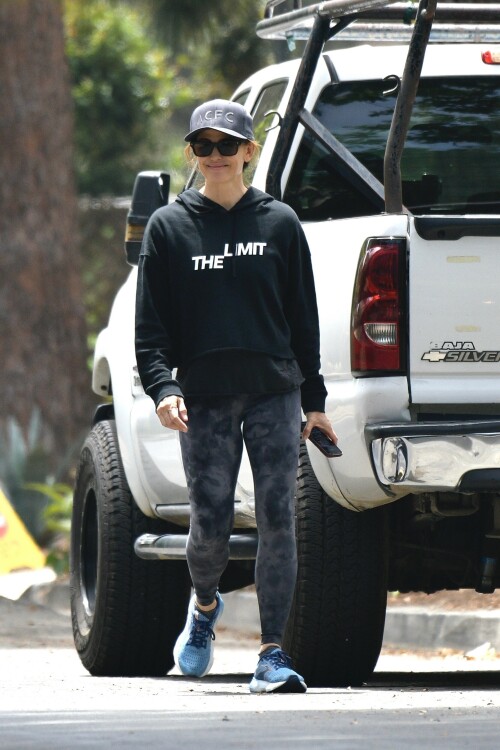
454	309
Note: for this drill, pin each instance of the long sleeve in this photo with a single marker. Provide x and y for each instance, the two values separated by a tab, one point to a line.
153	342
302	315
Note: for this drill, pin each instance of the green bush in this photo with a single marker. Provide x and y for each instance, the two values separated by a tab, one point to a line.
118	84
42	502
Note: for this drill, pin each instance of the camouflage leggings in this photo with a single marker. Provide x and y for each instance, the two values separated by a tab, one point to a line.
211	451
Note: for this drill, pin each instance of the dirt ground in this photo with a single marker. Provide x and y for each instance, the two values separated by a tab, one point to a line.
447	601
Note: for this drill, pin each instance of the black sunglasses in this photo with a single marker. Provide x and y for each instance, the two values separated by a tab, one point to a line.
227	147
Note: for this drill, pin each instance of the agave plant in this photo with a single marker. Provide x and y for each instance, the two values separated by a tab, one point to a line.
42	503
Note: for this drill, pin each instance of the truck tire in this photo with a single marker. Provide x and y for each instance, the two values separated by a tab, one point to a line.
126	612
336	625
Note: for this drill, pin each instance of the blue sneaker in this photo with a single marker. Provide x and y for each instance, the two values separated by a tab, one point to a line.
194	651
274	674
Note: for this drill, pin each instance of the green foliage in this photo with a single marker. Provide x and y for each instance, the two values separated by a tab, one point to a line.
17	451
214	44
43	503
118	82
58	510
57	516
22	459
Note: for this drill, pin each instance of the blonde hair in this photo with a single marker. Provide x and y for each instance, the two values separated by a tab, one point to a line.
255	155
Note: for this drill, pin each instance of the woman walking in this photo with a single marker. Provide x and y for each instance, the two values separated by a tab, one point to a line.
226	294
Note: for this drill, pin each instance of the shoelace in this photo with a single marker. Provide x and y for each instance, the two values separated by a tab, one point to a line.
277	658
200	633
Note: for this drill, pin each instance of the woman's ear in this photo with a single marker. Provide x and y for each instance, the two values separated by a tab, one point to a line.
249	151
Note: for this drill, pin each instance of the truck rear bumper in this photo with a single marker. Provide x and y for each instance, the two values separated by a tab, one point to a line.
437	456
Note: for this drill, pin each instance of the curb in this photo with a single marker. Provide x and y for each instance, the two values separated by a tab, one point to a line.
416	627
405	627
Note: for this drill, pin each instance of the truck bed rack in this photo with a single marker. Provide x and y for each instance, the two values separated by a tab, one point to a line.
372	20
321	22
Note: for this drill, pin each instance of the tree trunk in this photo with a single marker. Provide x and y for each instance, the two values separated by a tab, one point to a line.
42	329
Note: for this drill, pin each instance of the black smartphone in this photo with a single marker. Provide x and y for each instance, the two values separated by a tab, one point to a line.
323	443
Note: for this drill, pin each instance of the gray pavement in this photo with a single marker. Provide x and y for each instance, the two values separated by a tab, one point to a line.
414	699
48	700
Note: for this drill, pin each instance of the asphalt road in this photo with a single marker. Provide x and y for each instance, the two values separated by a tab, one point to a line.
47	700
413	701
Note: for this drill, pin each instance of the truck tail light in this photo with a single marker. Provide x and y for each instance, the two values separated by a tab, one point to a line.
378	322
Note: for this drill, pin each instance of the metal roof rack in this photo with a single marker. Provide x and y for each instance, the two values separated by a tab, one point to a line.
323	30
299	21
372	20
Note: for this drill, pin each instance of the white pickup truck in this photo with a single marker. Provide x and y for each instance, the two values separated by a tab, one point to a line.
388	149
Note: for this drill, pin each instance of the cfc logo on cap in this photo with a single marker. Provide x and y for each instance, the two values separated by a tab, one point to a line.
212	115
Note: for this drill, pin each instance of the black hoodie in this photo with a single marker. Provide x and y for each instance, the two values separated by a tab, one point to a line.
212	280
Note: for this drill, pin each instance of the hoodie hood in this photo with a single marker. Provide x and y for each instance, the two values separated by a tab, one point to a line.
197	203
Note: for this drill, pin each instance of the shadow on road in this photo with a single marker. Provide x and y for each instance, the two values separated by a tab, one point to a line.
480	680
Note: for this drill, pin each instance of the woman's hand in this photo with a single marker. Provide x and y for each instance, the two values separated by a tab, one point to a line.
319	419
172	413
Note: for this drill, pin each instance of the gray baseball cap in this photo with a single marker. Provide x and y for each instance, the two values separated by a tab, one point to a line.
225	116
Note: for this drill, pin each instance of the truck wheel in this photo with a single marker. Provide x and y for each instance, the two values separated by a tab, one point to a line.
126	612
336	625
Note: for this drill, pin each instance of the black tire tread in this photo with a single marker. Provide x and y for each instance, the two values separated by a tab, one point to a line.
140	605
335	630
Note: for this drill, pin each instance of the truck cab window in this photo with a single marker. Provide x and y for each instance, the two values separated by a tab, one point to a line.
448	166
268	100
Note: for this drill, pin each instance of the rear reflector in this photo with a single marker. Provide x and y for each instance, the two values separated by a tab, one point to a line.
491	58
378	320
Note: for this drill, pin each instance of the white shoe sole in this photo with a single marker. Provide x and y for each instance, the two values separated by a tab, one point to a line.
291	685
